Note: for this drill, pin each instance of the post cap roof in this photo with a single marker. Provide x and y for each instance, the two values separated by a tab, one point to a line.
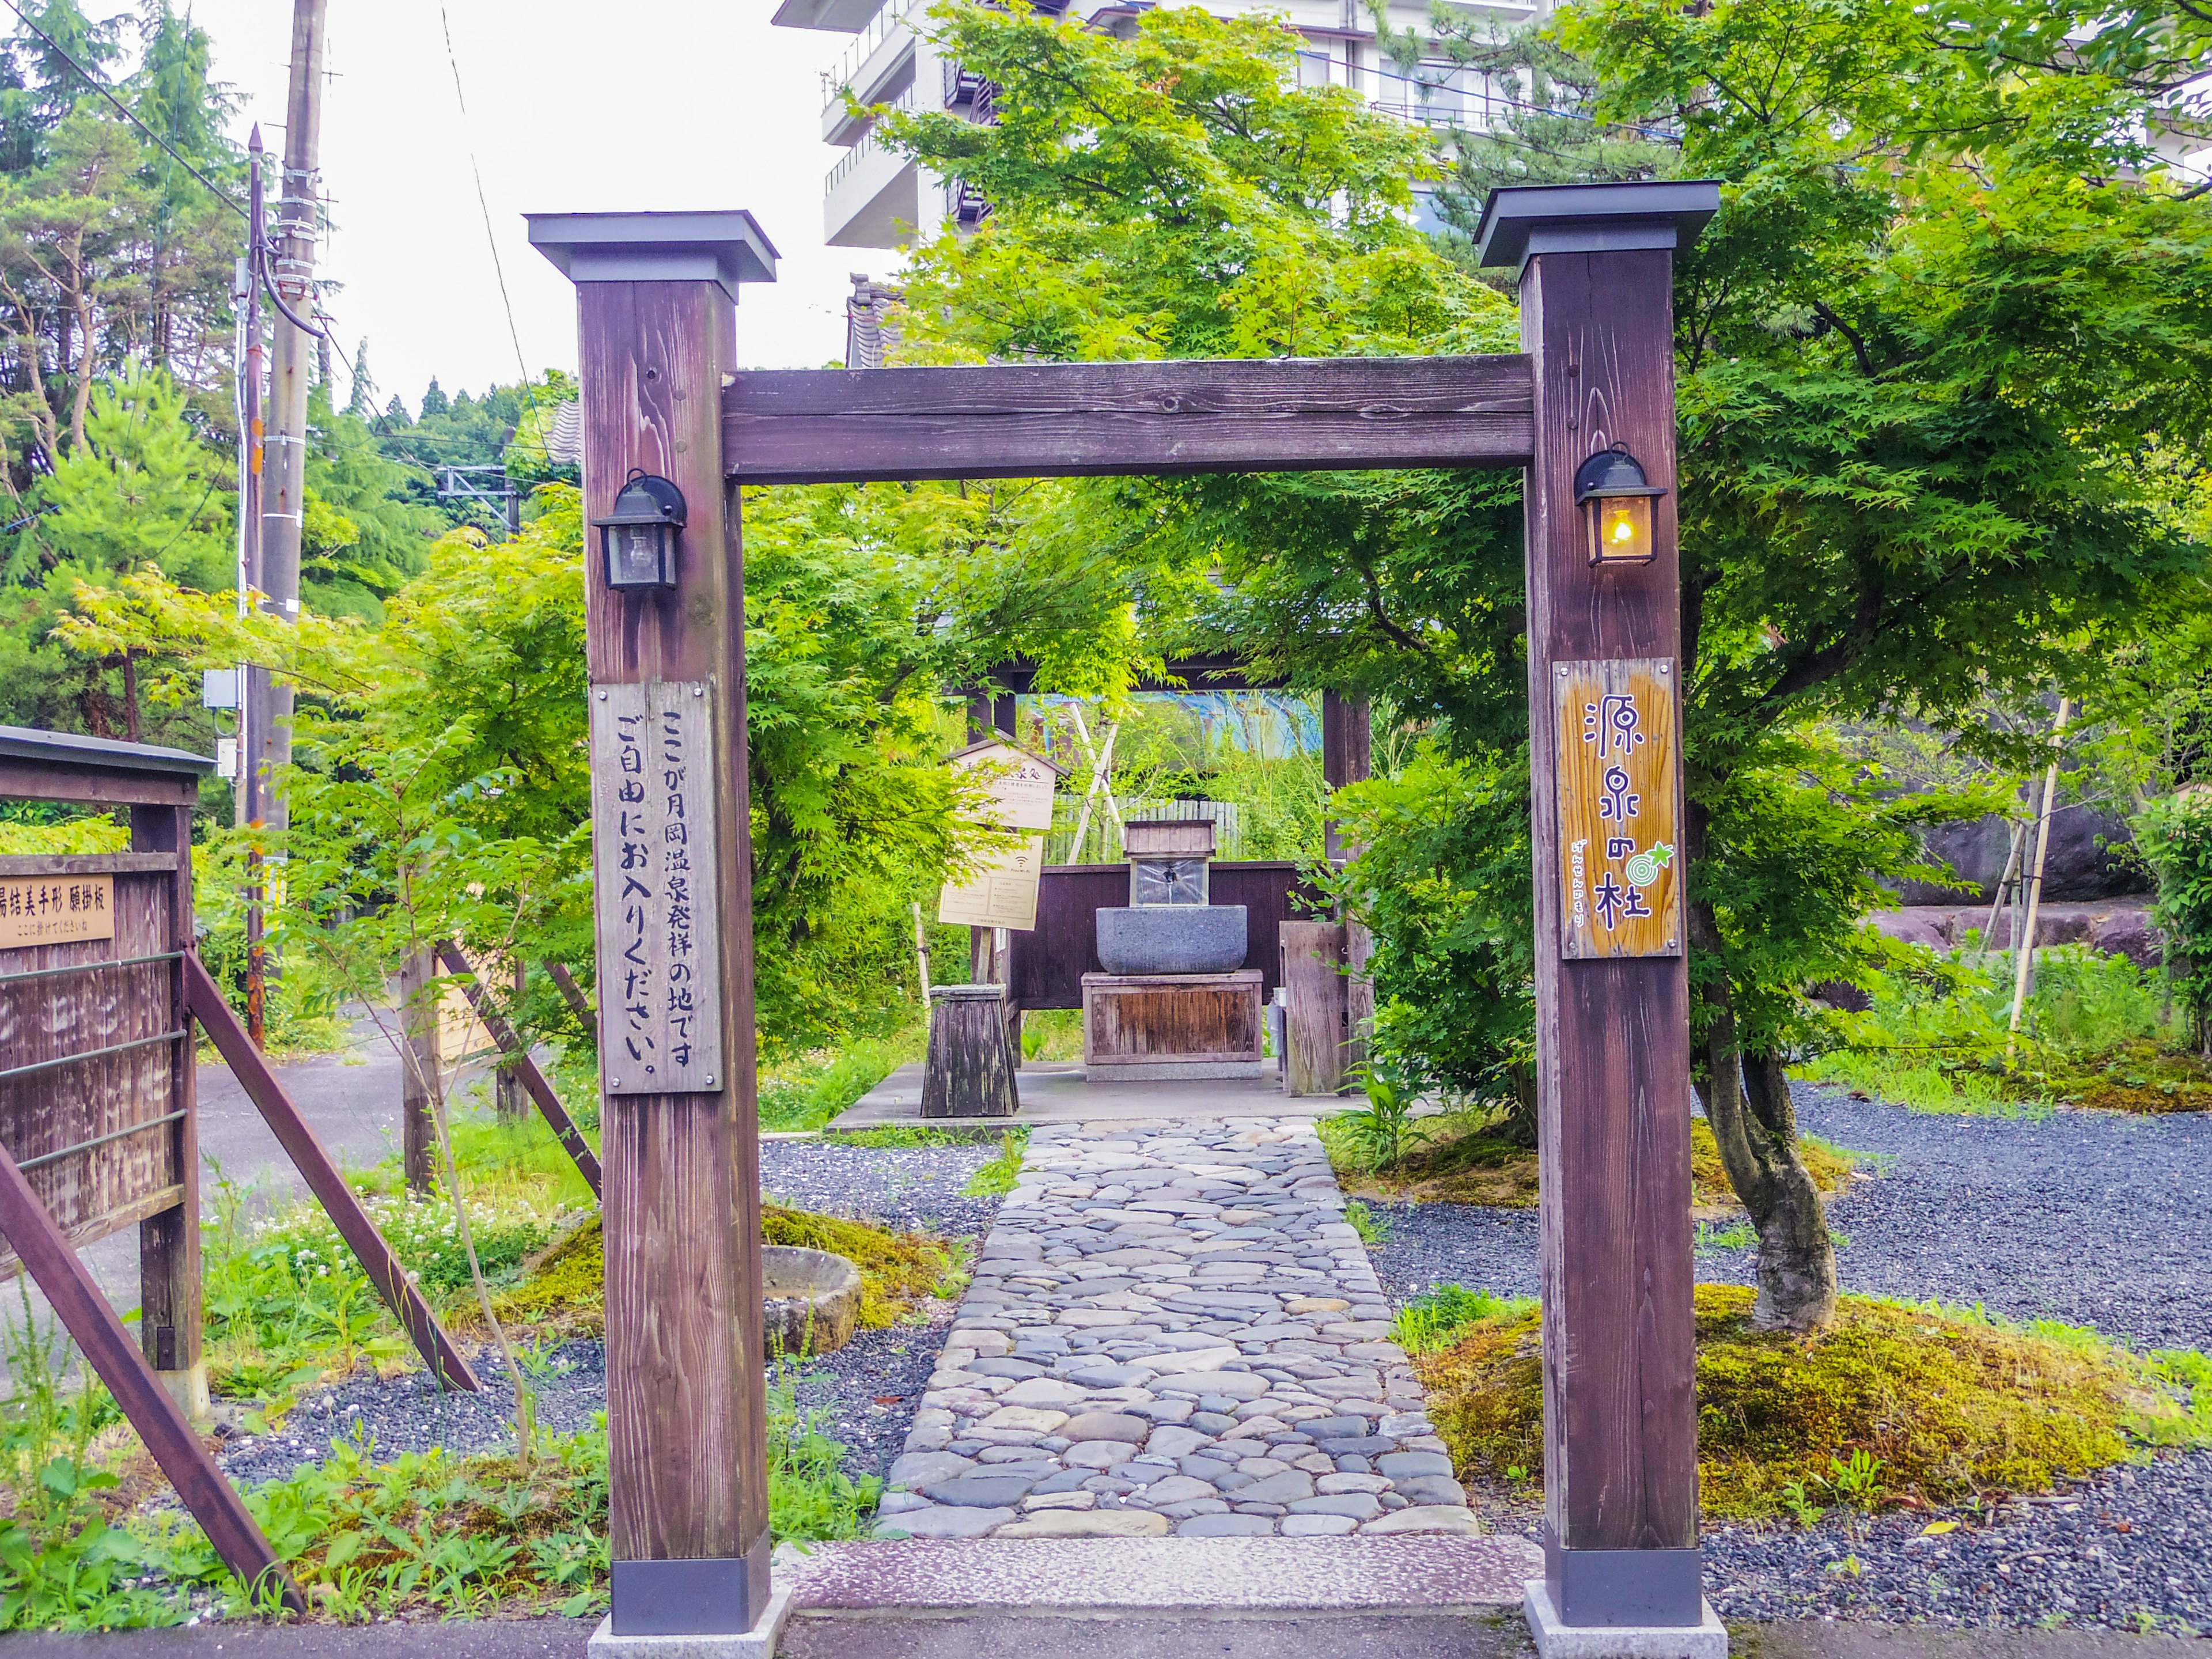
106	754
722	245
1522	221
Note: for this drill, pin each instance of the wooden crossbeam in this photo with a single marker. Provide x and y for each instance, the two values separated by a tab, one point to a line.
385	1270
115	1358
1024	420
534	1081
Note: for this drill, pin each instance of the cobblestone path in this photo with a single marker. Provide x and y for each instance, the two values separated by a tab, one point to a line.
1173	1329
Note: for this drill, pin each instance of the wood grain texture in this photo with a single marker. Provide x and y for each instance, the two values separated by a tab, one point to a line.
686	1355
214	1503
968	1071
1619	762
384	1269
1135	1019
171	1322
29	780
88	863
1315	1033
534	1081
1613	1035
1025	420
91	1194
654	886
1046	965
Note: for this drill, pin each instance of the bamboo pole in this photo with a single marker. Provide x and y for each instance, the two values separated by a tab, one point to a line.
2024	946
2004	881
921	952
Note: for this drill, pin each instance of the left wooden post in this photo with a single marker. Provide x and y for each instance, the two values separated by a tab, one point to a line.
679	1133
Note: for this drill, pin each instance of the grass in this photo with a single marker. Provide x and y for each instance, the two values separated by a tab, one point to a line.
2097	1032
997	1177
1052	1033
806	1092
1896	1404
415	1535
1458	1158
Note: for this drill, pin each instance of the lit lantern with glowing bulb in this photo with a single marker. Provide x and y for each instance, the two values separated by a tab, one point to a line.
1616	500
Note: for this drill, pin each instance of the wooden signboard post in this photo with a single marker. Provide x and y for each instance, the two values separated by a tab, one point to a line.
661	394
1613	1008
686	1358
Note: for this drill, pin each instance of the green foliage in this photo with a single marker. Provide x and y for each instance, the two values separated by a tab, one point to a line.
997	1178
1435	1318
806	1092
1171	193
810	1496
1937	1038
1376	1132
2176	835
1372	1229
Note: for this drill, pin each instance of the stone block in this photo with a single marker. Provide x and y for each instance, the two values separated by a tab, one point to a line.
1359	1505
1108	1425
942	1520
1226	1526
1317	1526
1094	1523
1707	1639
1426	1518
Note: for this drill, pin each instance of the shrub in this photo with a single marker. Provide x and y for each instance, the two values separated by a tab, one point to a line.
2176	835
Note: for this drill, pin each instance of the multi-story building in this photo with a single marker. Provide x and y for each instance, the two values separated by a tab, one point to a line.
874	198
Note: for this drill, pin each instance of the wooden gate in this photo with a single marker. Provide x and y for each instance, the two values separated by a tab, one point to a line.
665	393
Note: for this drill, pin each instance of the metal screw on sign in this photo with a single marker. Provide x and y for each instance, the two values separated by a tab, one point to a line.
603	696
614	1082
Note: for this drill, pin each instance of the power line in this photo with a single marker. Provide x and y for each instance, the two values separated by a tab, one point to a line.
128	114
483	203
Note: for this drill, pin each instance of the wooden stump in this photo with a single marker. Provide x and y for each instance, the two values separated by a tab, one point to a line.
1315	1030
970	1072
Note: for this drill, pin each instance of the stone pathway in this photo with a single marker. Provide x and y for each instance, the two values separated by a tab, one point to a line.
1172	1330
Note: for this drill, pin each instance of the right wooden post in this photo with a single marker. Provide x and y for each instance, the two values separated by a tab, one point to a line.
1613	1022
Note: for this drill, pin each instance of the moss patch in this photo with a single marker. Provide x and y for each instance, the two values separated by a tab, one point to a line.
1892	1403
564	1290
1476	1167
2137	1077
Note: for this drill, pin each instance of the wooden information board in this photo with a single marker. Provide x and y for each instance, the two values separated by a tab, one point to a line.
1002	890
1620	863
55	909
653	856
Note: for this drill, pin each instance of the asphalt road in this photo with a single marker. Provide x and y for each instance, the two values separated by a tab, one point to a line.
350	1099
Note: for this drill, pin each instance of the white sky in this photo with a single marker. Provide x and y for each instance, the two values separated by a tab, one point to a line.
656	104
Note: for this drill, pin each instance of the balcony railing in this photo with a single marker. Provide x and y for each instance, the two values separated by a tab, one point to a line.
868	145
891	18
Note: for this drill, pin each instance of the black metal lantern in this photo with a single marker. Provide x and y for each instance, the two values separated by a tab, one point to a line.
1616	502
639	536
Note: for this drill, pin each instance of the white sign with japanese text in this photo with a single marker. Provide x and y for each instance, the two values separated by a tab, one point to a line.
653	856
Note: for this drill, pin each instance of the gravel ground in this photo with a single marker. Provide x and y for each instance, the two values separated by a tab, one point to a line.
910	1187
866	1393
2089	1217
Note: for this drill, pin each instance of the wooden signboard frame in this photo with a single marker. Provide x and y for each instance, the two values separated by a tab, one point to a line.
96	1029
662	391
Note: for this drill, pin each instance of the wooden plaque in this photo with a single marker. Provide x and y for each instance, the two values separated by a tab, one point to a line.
1620	860
653	854
56	909
1000	892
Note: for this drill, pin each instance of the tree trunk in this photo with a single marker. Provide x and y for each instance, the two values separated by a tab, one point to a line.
510	1101
1746	1099
418	1071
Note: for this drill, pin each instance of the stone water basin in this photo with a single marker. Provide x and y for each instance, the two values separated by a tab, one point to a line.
1172	939
812	1299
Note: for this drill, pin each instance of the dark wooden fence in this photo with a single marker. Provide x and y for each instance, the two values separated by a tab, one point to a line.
1046	965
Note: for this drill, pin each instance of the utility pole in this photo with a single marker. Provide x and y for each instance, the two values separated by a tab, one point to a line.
290	265
254	700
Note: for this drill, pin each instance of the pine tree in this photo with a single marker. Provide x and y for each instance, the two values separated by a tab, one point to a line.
434	401
362	404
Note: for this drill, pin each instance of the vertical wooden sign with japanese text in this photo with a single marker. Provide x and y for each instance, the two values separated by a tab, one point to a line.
653	848
1621	864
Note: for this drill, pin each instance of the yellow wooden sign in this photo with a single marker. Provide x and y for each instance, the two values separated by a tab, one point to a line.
1001	892
1620	860
56	909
